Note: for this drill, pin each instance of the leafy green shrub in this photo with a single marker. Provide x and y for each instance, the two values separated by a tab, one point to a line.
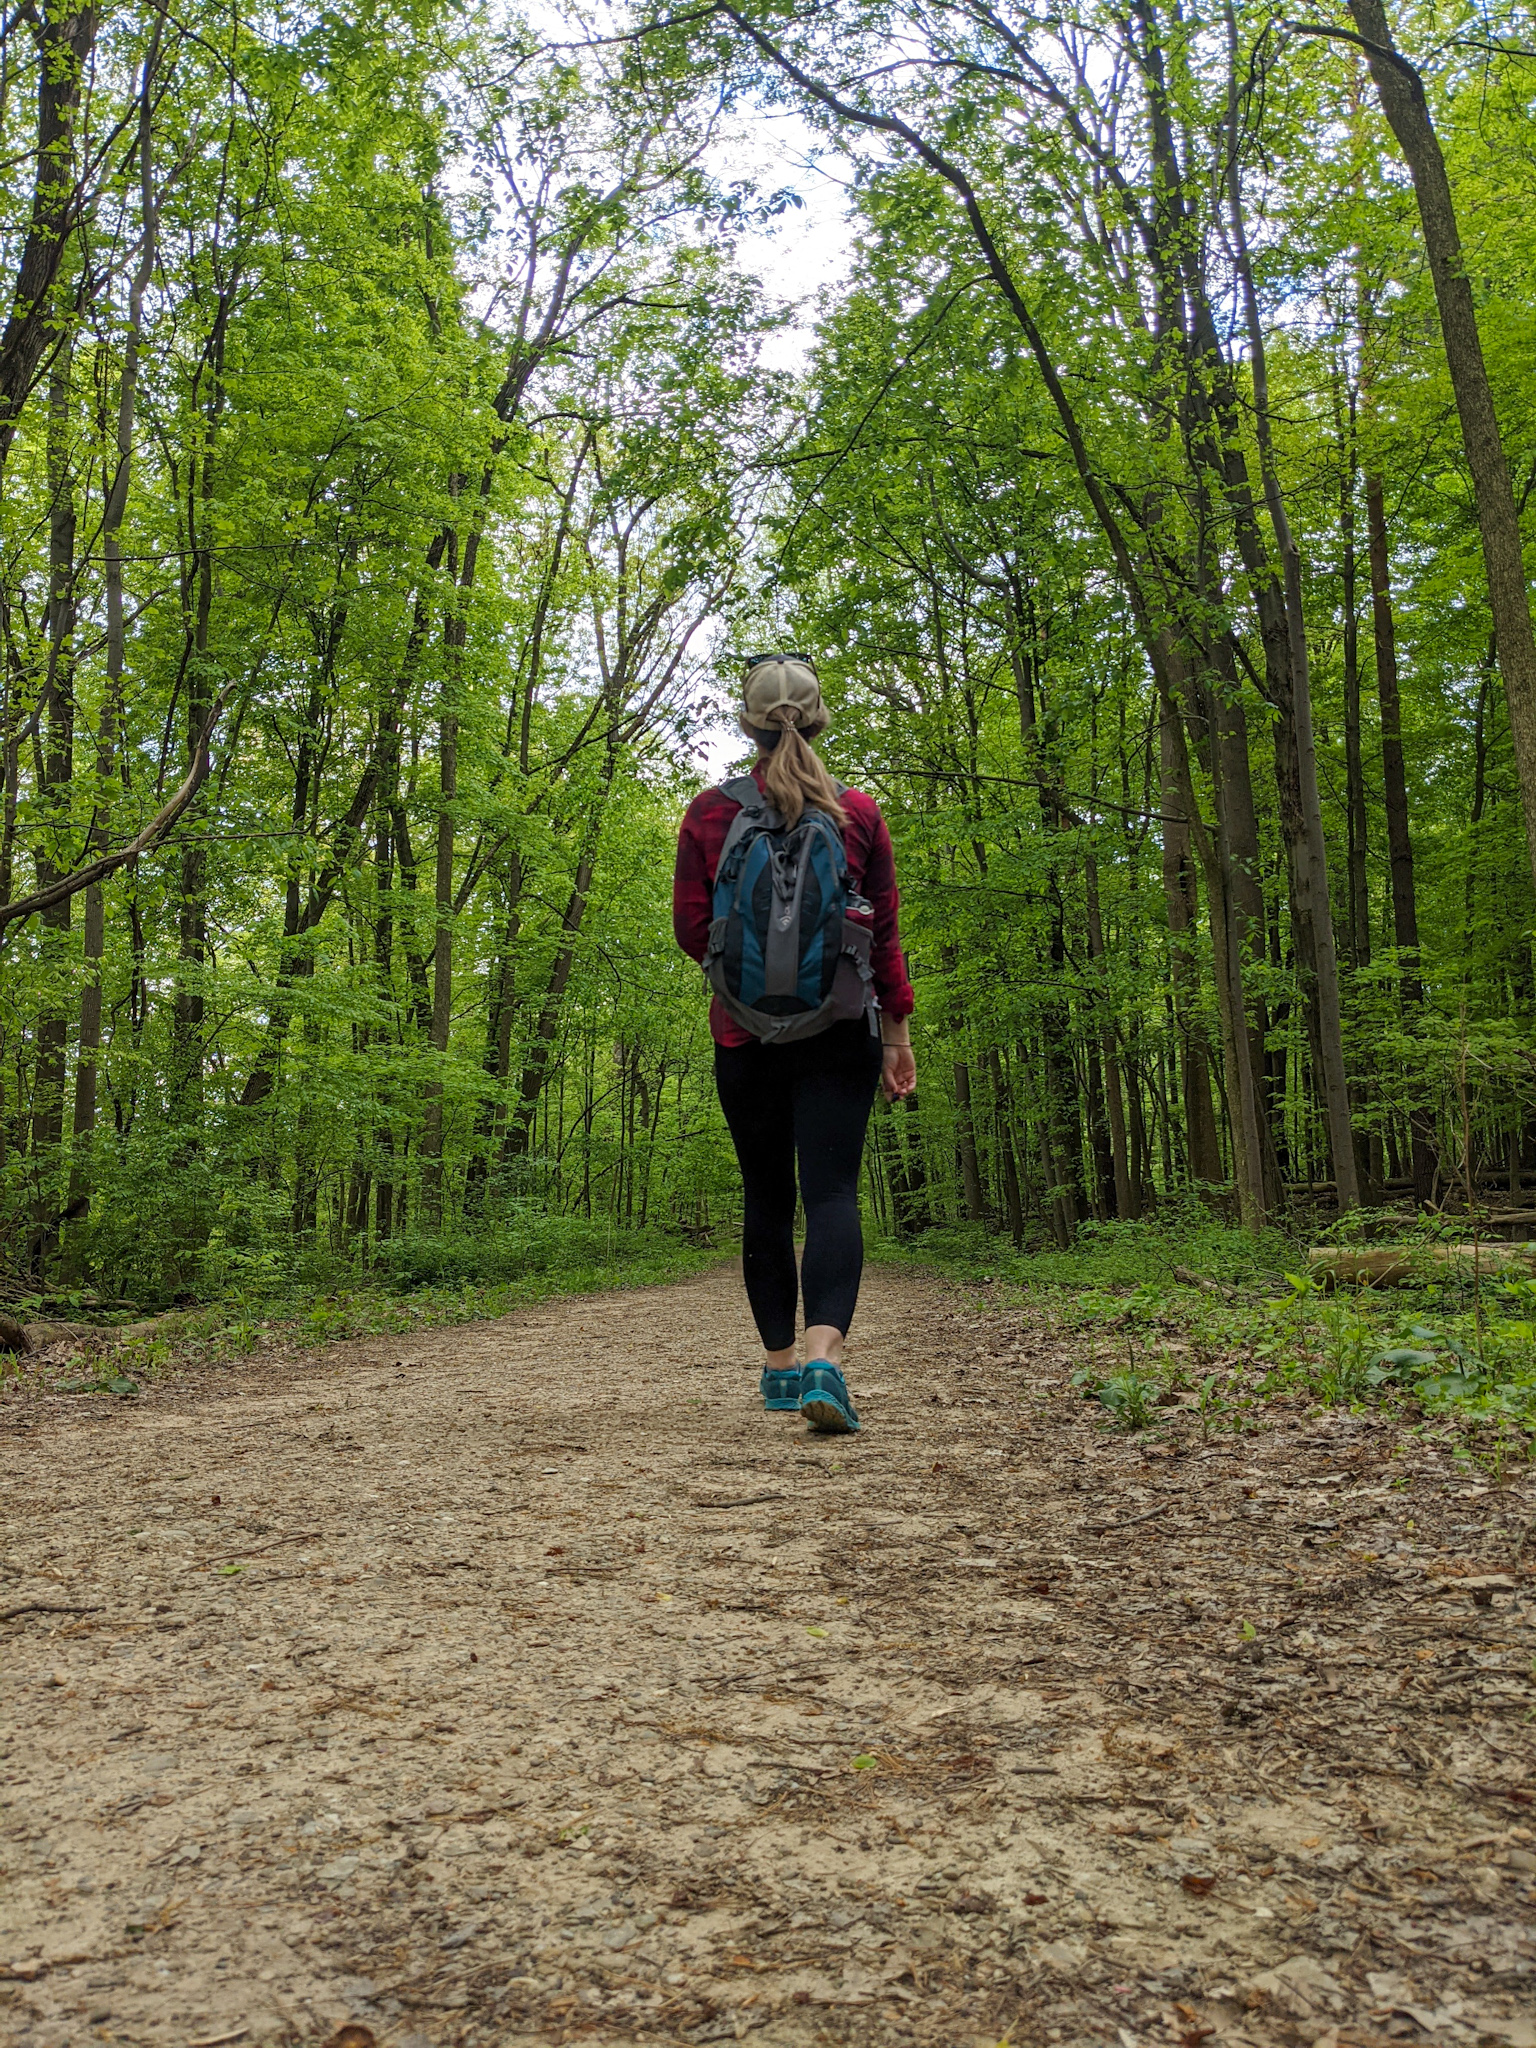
522	1246
1112	1255
1131	1399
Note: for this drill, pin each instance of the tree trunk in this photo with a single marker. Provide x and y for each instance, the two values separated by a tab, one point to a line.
500	1016
1405	912
1405	915
906	1170
1354	766
53	858
1228	949
1126	1203
1290	675
442	969
1063	1106
1002	1098
65	41
519	1138
1238	824
1058	1193
189	1003
1407	110
1181	896
112	561
965	1144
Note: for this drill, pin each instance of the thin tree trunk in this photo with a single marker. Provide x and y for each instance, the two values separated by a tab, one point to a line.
58	773
65	41
1407	110
1237	815
965	1144
1405	911
519	1139
189	1003
1058	1193
112	560
1002	1097
1354	767
442	968
1405	915
1181	897
1126	1203
1310	851
1228	948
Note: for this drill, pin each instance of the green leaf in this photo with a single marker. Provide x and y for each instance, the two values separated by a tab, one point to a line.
866	1763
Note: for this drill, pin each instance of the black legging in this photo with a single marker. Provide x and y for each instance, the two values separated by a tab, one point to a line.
810	1100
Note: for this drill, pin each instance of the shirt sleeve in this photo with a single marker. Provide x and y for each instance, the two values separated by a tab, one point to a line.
691	884
886	959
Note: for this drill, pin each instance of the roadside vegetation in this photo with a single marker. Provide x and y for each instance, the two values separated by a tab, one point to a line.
1188	1326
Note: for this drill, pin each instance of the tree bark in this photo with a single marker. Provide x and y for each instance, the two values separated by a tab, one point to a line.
112	560
1405	911
1228	949
1309	848
1181	896
383	967
1238	831
1403	101
189	1004
1405	915
1002	1099
1354	765
65	41
965	1144
519	1139
58	774
442	967
1127	1205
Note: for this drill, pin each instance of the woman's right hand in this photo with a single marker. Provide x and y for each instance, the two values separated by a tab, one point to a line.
898	1072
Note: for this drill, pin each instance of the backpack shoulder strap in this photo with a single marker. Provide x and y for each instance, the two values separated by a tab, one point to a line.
741	789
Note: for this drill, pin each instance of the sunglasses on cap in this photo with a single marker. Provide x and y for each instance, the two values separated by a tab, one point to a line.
753	661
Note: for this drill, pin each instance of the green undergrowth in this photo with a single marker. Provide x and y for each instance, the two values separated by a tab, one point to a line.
424	1282
1160	1351
1109	1257
253	1300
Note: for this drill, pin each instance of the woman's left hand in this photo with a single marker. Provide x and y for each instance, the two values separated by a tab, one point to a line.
898	1072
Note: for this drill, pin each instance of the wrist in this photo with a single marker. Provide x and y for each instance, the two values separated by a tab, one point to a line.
895	1031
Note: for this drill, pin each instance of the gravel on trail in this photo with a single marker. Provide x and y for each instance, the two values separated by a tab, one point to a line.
524	1682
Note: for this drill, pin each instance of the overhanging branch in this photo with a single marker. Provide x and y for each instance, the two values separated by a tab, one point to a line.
154	835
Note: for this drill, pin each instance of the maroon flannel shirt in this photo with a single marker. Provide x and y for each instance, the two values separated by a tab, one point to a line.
871	873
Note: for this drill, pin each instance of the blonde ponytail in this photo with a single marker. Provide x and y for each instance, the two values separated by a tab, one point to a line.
793	775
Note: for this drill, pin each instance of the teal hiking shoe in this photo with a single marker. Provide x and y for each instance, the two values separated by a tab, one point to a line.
824	1399
780	1389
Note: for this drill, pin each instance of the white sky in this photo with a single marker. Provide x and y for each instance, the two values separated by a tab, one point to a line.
797	255
807	247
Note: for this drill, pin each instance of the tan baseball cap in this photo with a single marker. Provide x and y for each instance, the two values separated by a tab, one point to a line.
780	683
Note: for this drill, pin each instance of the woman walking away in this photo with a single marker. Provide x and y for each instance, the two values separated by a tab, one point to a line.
786	894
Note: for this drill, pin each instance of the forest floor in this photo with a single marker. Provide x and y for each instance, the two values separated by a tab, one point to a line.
523	1682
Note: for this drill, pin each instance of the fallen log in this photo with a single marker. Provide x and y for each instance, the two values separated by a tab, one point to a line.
1407	1265
38	1336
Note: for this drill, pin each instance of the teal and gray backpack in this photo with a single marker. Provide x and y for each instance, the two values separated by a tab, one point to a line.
785	958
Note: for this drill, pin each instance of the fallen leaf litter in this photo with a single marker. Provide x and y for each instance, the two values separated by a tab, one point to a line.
985	1725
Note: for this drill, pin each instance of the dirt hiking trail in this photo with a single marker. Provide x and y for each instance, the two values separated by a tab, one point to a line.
523	1682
